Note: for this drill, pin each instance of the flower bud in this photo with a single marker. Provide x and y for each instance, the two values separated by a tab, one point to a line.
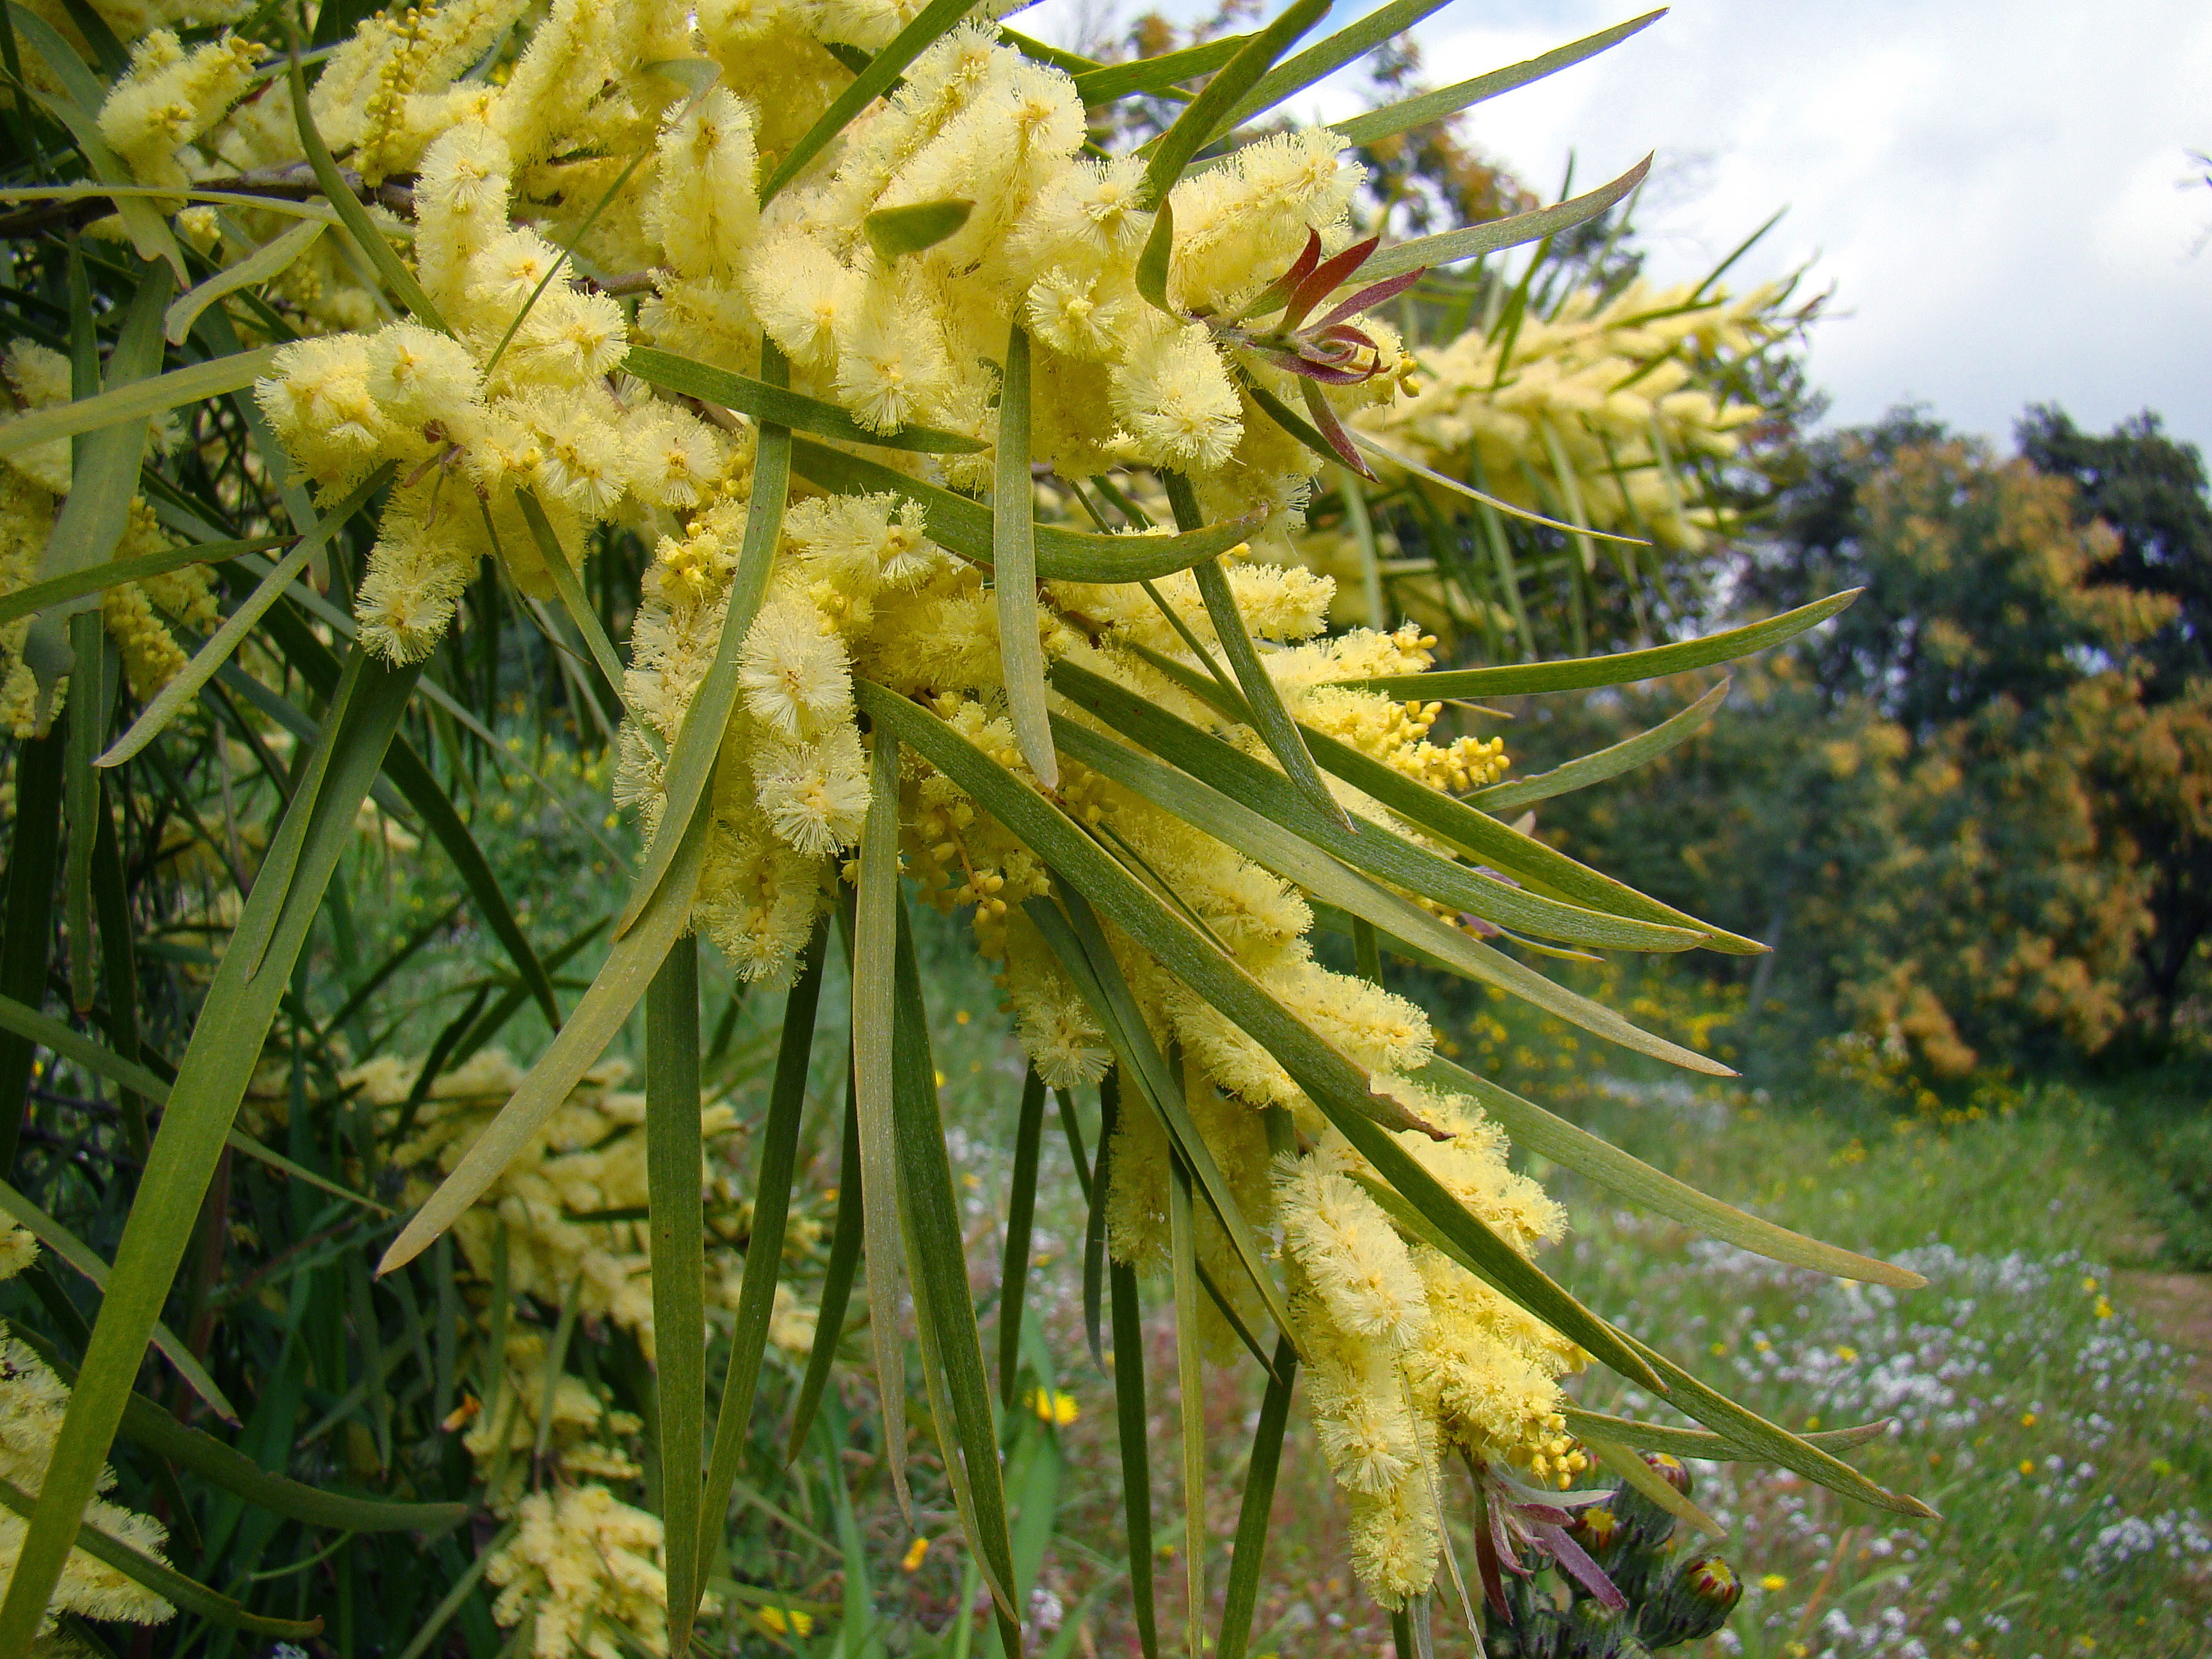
1643	1524
1695	1602
1593	1632
1598	1530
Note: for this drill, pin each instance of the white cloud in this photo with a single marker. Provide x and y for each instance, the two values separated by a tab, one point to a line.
1994	191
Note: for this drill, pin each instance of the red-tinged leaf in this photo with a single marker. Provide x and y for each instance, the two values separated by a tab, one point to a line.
1574	1559
1489	1566
1332	430
1306	368
1373	295
1279	291
1326	279
1331	373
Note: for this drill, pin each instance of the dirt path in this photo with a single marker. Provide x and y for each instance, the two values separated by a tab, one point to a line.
2176	1308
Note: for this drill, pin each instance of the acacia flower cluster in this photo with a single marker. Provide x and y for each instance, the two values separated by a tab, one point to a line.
1593	411
33	1402
33	484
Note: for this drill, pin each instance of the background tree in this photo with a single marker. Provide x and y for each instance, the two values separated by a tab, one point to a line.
1948	803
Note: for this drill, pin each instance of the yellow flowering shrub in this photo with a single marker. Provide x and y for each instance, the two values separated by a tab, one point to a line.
809	299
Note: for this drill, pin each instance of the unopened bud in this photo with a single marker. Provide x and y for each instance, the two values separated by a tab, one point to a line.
1598	1530
1594	1632
1647	1525
1695	1602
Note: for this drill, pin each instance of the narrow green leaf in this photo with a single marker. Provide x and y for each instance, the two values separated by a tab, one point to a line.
1021	1214
1448	247
170	700
1290	854
1156	258
677	1238
1550	1136
1107	82
875	944
104	476
963	526
1206	116
1135	1435
238	1141
1773	1444
620	984
186	1593
1576	528
1698	1442
944	1313
897	231
457	1596
1094	1229
1648	1481
118	970
89	708
1318	62
1044	53
33	855
28	1022
272	259
1426	108
1476	835
77	109
226	1046
80	1256
164	194
1608	763
837	1279
1255	810
1248	1558
374	246
1292	422
1013	568
1081	946
1354	497
1071	1132
421	790
768	402
100	578
779	1158
931	24
1420	1208
139	400
582	611
1190	1381
1317	1067
1338	1087
699	739
1269	717
1585	673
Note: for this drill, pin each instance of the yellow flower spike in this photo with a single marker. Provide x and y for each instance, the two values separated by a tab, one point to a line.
1054	1405
777	1622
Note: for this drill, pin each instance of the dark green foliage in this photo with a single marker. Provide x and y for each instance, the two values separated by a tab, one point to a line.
1970	813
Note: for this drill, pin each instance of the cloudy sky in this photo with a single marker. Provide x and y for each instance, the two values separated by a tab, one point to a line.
2000	195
